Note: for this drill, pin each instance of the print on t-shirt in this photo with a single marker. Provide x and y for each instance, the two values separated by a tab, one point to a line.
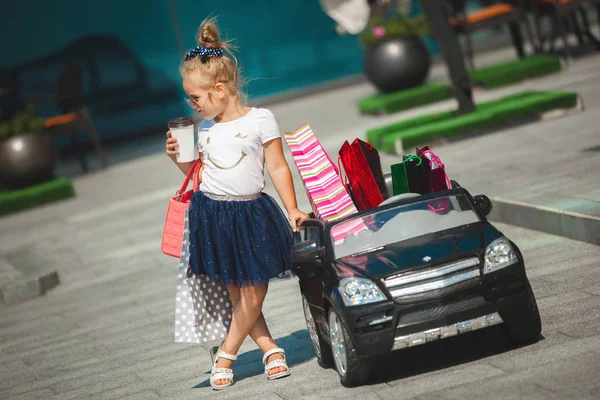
243	154
225	146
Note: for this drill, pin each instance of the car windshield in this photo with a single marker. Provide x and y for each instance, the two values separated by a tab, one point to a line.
379	228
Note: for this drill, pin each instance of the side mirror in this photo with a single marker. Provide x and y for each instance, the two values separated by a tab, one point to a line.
483	204
306	251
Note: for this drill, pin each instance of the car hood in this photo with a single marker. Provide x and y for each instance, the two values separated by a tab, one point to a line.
429	249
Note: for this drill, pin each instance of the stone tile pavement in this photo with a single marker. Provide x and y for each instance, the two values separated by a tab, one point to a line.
106	330
107	333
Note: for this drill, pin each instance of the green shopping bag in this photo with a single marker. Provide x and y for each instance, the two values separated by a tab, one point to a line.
399	179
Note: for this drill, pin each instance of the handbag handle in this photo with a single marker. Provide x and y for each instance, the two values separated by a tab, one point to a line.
192	174
195	178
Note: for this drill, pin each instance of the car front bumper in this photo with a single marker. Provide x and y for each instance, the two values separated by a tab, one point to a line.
443	332
387	326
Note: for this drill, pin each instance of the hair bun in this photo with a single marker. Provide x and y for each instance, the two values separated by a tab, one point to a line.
208	34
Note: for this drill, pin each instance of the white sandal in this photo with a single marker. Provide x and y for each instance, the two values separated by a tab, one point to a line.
214	350
276	363
221	373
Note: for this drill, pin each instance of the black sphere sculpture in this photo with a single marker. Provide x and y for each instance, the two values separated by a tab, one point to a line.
397	63
26	159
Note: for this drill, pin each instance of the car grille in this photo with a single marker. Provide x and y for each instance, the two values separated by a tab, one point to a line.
441	310
435	281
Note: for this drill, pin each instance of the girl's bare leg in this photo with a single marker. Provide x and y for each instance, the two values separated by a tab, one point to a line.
259	333
245	315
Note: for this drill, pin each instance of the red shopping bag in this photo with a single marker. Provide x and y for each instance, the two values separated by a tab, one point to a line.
363	169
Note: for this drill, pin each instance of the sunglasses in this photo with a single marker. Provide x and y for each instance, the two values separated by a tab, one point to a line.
194	104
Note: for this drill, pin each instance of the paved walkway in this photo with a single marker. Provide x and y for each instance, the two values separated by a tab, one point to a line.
106	333
106	330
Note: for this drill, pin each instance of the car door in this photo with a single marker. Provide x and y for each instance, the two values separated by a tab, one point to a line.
310	272
314	279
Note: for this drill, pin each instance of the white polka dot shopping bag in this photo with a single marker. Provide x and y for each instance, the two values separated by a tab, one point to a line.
202	307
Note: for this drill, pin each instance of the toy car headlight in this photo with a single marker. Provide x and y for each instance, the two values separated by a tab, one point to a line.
499	254
356	291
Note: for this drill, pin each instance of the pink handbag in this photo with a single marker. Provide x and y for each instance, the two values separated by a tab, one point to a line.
172	237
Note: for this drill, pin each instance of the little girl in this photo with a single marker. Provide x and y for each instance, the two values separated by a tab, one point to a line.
238	236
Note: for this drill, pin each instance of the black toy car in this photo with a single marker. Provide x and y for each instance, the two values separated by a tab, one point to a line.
415	269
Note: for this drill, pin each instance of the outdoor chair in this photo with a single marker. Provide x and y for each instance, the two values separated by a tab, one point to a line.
75	117
486	18
124	97
563	15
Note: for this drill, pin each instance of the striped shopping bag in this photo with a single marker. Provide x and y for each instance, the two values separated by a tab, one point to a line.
326	193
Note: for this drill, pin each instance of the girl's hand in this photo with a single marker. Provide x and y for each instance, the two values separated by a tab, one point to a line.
171	145
296	218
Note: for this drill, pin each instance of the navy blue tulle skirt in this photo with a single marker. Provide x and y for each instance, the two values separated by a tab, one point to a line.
246	242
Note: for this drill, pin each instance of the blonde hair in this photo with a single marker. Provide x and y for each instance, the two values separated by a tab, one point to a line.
214	69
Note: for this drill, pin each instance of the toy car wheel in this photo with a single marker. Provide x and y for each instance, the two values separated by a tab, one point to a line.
525	328
352	369
322	349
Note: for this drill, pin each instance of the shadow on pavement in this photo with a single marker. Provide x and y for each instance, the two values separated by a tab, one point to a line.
394	366
441	354
296	345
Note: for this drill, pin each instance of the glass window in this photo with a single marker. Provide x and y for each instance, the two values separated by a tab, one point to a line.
404	222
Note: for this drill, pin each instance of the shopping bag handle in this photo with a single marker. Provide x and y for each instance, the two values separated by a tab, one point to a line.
436	159
342	174
413	157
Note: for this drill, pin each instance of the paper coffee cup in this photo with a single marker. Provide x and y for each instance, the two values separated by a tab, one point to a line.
182	129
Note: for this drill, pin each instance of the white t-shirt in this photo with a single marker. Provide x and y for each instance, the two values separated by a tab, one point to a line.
233	152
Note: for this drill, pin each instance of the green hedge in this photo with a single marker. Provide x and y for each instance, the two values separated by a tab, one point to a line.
21	199
399	136
491	77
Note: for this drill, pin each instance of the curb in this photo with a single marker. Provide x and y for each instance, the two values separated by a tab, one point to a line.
15	287
569	224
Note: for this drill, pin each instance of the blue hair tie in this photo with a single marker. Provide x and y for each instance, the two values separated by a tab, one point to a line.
204	53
